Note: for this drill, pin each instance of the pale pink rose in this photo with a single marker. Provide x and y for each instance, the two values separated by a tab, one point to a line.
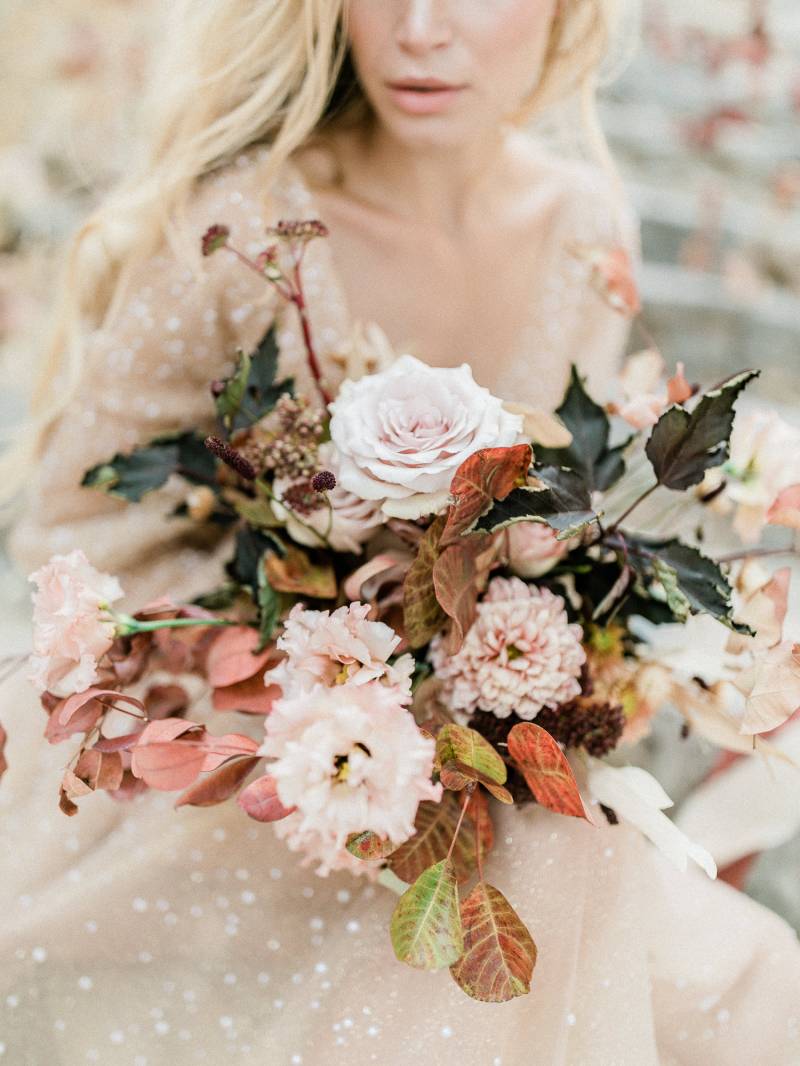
343	646
785	511
70	632
349	758
533	549
764	460
345	520
403	433
520	655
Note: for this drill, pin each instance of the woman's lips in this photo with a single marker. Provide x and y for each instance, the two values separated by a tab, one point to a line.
427	97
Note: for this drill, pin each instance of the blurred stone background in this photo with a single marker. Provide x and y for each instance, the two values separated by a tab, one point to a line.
705	126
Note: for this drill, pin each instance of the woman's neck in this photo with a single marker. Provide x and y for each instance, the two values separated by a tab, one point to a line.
444	187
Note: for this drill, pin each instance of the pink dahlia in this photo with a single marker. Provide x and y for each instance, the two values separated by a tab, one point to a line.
349	758
333	648
521	654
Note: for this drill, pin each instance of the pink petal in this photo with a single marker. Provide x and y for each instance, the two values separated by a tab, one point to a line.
785	511
775	694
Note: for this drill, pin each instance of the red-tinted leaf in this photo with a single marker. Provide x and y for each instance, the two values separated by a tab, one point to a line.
297	574
3	761
369	846
107	696
260	801
458	576
499	953
480	816
423	616
232	659
251	696
80	722
456	776
435	825
219	786
164	701
99	771
219	749
168	767
546	770
484	477
167	729
123	743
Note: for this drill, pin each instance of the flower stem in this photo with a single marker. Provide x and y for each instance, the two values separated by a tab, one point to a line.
458	826
756	553
639	500
129	626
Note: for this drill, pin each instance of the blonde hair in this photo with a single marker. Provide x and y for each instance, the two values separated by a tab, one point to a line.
239	73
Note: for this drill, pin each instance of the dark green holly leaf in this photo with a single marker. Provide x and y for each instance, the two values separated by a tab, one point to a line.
269	608
132	476
588	454
683	444
219	599
145	469
564	504
246	563
692	583
252	391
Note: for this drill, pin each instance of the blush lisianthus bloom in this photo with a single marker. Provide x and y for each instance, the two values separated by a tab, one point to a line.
349	758
520	655
403	433
343	646
533	549
70	633
320	850
343	519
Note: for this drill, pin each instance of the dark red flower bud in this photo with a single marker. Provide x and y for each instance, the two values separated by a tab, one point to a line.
214	238
235	460
323	481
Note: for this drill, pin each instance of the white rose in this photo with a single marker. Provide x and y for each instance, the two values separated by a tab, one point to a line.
347	524
403	433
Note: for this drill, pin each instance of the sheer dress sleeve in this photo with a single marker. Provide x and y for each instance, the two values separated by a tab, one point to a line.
148	373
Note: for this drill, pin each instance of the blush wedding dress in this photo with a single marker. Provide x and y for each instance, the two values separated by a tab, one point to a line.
135	935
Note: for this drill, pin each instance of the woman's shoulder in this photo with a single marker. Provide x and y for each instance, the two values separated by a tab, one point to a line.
586	201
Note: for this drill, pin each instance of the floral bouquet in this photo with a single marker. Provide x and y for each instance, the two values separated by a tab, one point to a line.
434	606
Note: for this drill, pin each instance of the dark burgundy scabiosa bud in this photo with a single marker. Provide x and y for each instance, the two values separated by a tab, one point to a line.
587	722
323	481
235	460
214	238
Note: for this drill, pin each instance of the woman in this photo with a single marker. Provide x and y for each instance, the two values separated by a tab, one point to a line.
146	936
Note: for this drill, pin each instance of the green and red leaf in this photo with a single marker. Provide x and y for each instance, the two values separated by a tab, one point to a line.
296	573
423	615
435	826
369	846
545	768
458	743
426	923
499	952
484	477
459	575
